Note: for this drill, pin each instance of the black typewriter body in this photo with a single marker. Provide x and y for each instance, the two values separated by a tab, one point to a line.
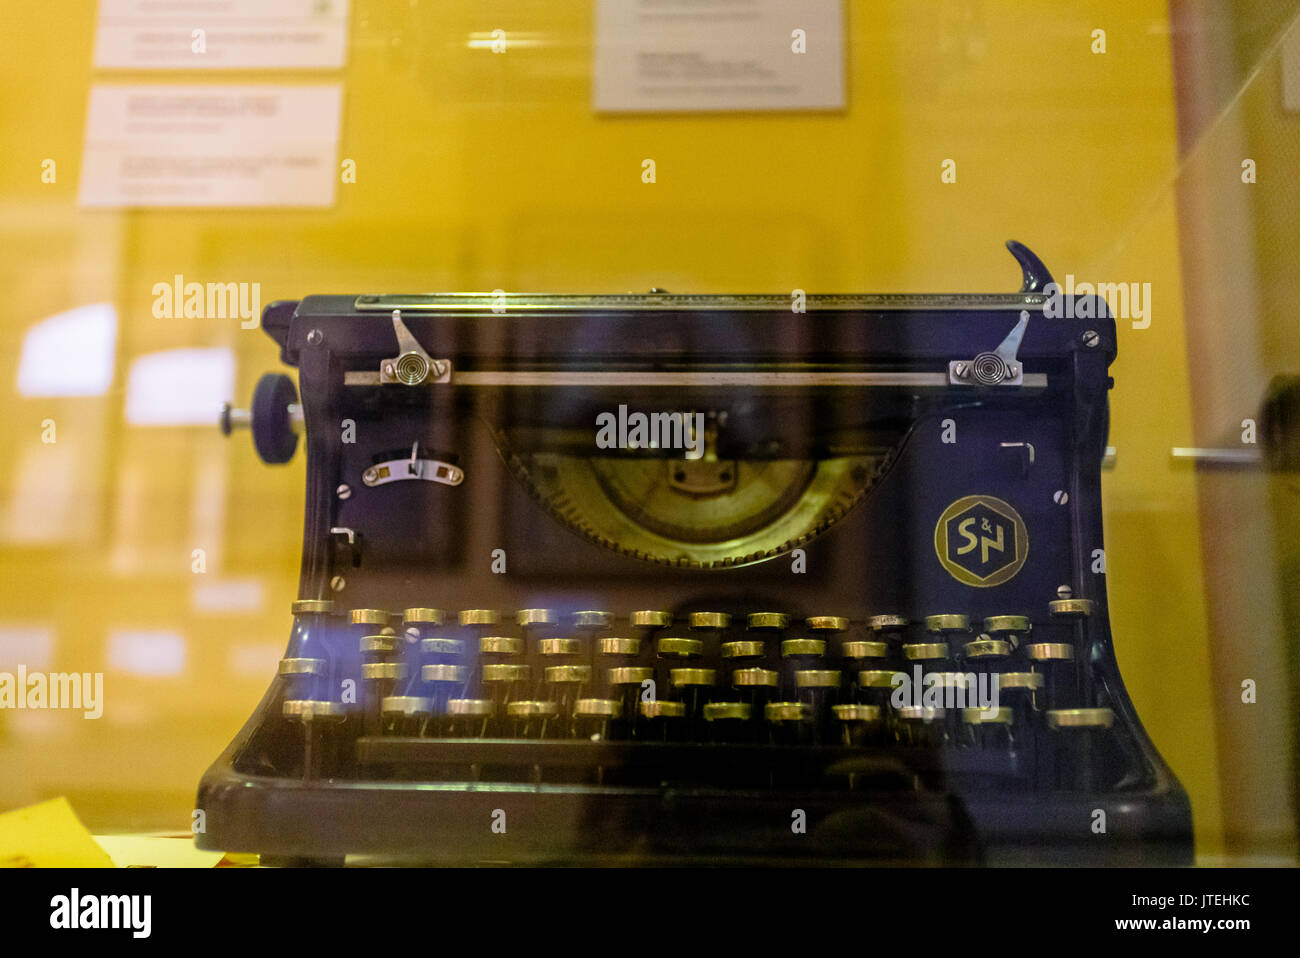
516	643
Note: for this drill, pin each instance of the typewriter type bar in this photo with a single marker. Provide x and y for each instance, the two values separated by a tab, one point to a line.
663	578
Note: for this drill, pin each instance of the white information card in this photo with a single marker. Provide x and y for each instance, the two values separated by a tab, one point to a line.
679	55
159	146
221	34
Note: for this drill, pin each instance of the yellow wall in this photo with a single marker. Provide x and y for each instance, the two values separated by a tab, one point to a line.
478	171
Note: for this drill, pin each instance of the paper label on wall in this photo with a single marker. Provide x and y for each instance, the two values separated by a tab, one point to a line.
209	145
221	34
681	55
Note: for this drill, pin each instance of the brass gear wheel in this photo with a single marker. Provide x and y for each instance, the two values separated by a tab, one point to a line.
701	514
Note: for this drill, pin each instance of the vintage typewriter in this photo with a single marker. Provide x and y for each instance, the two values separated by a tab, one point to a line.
676	578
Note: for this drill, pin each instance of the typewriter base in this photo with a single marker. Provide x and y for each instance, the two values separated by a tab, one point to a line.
395	821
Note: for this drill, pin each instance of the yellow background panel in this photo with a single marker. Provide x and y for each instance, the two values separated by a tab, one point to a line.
478	171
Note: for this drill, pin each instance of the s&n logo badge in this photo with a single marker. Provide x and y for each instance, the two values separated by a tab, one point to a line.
981	541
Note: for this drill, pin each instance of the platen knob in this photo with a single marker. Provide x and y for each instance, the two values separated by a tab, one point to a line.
275	418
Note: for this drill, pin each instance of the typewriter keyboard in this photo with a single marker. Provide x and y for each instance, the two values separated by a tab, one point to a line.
947	684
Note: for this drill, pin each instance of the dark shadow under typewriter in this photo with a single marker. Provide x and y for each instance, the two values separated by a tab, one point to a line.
637	579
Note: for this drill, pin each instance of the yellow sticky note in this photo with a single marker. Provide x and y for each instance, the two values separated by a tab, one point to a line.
156	851
48	835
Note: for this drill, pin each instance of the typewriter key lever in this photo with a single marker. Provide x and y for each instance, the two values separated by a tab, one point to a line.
412	366
275	418
998	368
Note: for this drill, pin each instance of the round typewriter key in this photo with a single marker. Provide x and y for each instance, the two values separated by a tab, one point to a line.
630	675
472	707
877	678
746	649
925	651
424	617
692	688
308	710
598	708
679	648
406	705
506	681
768	620
480	617
302	666
1076	734
369	617
791	648
887	623
827	623
919	713
533	719
404	714
754	678
991	728
996	624
876	686
1080	718
532	709
787	722
391	671
593	718
1055	661
531	617
559	646
709	620
444	673
662	708
470	718
857	713
817	679
785	711
859	724
566	682
988	649
1049	652
626	682
756	686
727	711
1020	688
664	720
616	646
567	674
860	649
378	644
592	620
1070	608
312	606
507	672
921	725
728	722
681	677
998	716
650	619
500	645
1020	681
442	646
947	623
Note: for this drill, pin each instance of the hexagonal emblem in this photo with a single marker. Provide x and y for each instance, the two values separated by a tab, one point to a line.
981	541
